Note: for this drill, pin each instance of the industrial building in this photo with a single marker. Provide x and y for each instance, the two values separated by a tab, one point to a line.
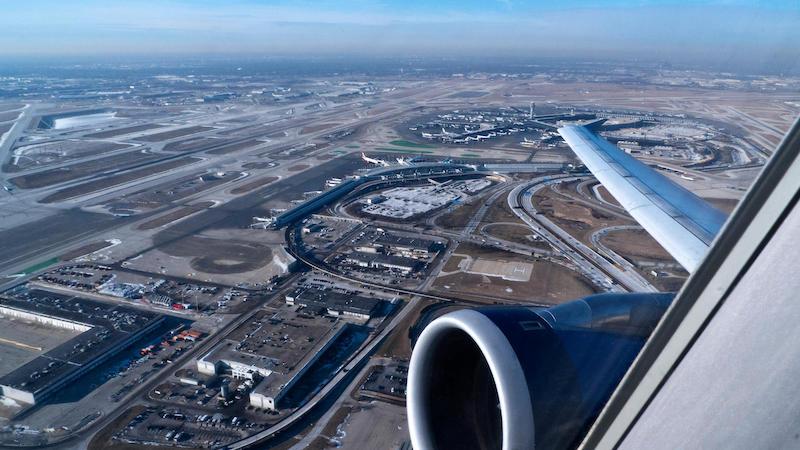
273	350
381	261
103	330
408	247
334	303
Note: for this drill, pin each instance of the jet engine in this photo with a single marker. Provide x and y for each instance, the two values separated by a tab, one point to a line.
516	377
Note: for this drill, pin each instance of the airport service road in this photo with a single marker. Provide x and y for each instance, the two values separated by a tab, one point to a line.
587	259
316	265
599	197
456	237
434	272
595	197
513	246
476	219
323	421
353	363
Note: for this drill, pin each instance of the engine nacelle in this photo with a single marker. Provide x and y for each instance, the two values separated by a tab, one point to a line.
519	377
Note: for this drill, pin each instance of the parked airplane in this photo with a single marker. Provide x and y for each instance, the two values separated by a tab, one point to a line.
446	133
377	162
380	162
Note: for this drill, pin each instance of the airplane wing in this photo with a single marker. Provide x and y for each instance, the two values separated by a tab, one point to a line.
683	223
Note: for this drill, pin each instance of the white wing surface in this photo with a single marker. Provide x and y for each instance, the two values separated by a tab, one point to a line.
683	223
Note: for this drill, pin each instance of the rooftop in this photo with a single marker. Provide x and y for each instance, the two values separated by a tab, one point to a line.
334	300
277	341
108	325
392	240
381	259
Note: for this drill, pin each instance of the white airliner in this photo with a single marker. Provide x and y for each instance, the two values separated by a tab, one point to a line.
380	162
377	162
715	366
446	133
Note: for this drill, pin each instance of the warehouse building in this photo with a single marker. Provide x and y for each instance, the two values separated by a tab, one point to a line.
380	261
103	330
274	349
409	247
334	303
399	246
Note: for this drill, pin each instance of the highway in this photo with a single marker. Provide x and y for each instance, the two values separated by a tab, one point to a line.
590	262
600	198
626	276
598	243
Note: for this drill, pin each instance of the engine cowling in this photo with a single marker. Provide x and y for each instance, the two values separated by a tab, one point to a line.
518	377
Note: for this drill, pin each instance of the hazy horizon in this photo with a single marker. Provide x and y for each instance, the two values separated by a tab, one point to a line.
720	33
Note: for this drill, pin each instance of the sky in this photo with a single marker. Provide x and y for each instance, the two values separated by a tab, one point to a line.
720	30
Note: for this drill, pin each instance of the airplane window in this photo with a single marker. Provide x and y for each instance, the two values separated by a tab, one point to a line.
363	225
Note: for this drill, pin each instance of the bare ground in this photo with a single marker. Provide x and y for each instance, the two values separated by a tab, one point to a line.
550	283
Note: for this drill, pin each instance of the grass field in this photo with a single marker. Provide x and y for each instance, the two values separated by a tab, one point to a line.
84	250
515	233
174	215
458	218
40	266
452	264
398	343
